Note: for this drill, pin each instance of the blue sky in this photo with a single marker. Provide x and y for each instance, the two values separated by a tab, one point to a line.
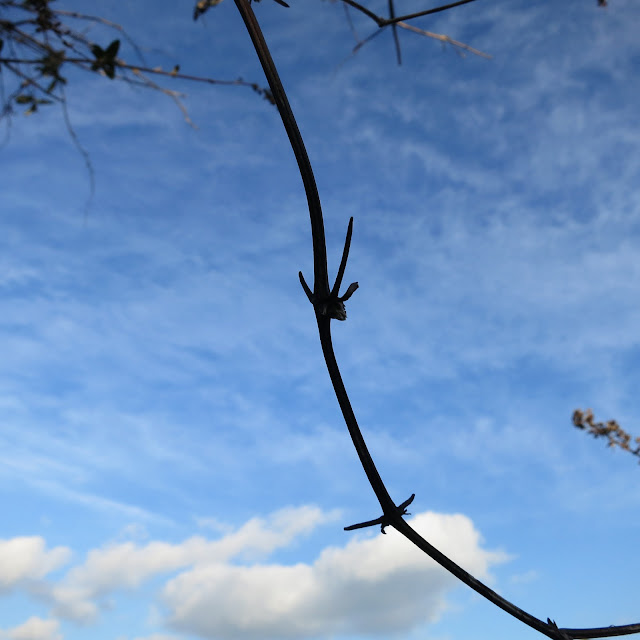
173	464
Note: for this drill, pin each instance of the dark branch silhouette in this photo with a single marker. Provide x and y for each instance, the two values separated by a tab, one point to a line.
329	305
383	22
402	21
382	520
394	27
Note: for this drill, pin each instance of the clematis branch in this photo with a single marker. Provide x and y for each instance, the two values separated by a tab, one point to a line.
383	22
325	302
402	21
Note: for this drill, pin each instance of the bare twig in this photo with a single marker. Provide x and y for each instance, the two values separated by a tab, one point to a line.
394	29
105	22
401	21
445	39
379	20
350	21
383	22
39	45
427	12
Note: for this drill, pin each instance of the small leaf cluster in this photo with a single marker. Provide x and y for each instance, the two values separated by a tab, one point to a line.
37	45
611	430
105	59
38	48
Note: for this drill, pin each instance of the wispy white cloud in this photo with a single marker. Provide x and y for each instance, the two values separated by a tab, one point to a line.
526	577
34	629
126	565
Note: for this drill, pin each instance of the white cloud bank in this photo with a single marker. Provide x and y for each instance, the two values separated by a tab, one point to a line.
25	559
226	588
379	585
127	565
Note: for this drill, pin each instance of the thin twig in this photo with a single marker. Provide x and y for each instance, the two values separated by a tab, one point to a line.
350	21
103	21
174	95
446	39
427	12
394	29
383	22
401	21
83	152
120	64
356	5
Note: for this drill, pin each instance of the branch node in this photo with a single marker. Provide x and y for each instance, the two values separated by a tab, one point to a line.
305	286
332	306
385	519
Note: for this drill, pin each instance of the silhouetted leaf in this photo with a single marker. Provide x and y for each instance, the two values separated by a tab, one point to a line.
105	59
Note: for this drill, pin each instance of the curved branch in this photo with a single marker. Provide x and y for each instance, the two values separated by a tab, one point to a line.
322	300
394	518
321	276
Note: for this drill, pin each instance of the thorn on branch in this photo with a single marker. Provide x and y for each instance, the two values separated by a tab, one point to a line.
385	519
332	305
560	634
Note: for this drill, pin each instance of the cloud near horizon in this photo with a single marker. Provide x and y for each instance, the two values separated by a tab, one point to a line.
379	585
228	588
